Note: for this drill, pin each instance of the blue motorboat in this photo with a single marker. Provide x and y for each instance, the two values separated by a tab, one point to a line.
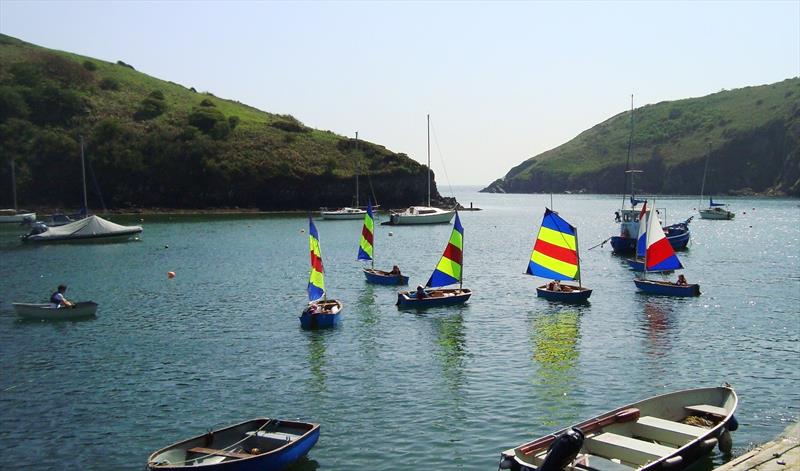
255	445
678	234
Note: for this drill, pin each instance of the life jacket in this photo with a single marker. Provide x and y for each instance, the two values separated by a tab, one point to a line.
55	300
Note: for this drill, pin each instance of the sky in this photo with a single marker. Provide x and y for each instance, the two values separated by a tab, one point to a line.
502	81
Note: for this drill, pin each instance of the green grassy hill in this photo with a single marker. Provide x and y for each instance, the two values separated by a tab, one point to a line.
753	134
152	143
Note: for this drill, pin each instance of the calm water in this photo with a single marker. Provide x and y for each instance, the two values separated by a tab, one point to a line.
449	388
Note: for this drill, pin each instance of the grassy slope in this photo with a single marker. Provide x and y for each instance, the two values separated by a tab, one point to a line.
677	131
254	147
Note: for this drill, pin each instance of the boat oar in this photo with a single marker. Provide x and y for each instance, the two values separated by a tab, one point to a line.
626	415
600	244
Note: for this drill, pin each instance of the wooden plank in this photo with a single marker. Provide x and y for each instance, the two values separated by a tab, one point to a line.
708	409
627	449
212	451
663	430
598	463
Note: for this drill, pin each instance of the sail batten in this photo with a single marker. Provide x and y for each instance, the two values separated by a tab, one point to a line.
449	269
555	254
316	279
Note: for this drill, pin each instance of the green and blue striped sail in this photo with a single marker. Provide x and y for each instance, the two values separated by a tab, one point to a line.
316	279
448	270
554	254
366	245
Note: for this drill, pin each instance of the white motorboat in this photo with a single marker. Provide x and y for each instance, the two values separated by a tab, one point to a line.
91	229
48	312
343	213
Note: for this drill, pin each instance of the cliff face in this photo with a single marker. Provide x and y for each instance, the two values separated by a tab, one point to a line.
753	134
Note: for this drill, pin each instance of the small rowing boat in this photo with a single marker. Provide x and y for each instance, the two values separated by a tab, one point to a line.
669	431
259	444
48	312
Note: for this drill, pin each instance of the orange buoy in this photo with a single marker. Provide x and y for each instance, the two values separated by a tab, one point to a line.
170	274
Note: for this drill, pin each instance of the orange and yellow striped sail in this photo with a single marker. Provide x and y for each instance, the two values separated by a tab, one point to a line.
555	254
316	280
448	271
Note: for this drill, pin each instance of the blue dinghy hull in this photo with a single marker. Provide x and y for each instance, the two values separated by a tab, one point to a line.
379	277
434	298
321	315
576	296
665	288
255	445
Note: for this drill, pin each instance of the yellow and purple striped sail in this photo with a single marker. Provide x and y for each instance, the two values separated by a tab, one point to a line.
448	271
555	254
366	245
316	280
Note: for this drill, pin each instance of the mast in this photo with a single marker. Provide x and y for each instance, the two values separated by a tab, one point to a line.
83	172
357	170
628	162
429	160
14	184
705	170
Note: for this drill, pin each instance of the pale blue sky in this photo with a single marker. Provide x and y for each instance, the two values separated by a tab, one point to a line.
503	81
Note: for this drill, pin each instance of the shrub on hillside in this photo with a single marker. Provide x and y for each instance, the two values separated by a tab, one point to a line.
207	103
90	66
53	105
157	94
149	108
289	126
109	83
125	65
12	104
210	121
233	121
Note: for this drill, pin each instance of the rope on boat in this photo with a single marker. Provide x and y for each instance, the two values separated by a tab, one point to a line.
600	244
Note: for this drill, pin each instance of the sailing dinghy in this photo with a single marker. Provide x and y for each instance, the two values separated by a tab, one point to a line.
660	257
555	257
447	272
366	248
320	312
666	432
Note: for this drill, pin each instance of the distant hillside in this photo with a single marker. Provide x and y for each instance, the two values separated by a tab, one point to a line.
754	134
151	143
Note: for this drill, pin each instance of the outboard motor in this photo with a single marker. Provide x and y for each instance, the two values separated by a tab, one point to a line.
563	450
38	228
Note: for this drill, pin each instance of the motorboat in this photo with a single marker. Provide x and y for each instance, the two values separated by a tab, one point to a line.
343	213
91	229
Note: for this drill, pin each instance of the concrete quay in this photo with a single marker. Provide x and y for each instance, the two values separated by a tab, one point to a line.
781	454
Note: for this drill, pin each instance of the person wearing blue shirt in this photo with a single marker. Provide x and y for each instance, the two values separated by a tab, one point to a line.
58	300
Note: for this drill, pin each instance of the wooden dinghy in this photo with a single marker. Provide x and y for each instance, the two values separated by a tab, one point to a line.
666	432
366	250
320	311
48	312
259	444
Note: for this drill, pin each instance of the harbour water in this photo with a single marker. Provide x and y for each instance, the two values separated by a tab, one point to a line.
447	388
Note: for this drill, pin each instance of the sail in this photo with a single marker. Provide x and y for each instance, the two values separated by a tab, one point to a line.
712	203
366	245
316	280
634	201
554	254
448	271
641	240
660	256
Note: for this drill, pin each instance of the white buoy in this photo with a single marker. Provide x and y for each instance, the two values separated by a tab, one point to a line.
391	234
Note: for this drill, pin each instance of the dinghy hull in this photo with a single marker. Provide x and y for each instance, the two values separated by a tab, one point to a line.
434	298
321	315
664	288
577	295
45	311
378	277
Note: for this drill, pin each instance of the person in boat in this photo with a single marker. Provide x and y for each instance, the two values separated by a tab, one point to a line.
681	281
617	218
395	271
57	299
421	292
554	285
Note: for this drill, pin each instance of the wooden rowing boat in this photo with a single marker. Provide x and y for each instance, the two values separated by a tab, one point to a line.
666	432
259	444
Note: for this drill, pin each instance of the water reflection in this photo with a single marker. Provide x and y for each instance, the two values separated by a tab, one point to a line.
657	323
316	360
452	347
554	341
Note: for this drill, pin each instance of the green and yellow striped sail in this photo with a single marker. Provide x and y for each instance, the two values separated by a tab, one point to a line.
316	280
366	245
448	271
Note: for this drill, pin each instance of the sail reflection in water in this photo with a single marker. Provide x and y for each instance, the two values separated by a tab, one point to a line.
452	342
554	339
658	323
317	361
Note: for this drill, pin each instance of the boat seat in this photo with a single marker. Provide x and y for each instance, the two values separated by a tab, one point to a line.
281	437
212	451
627	449
715	411
663	430
598	463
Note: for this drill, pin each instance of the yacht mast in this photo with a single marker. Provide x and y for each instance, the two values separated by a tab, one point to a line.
83	172
14	184
429	160
357	169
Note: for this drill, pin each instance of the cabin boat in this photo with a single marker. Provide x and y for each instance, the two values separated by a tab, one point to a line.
91	229
259	444
665	432
718	211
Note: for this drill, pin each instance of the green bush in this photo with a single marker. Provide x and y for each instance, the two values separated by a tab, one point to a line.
233	121
90	66
150	108
109	83
207	103
157	94
289	126
12	104
210	121
125	65
52	105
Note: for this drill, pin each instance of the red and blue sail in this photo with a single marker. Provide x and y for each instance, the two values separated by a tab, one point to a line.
555	254
448	270
641	240
660	255
366	245
316	280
